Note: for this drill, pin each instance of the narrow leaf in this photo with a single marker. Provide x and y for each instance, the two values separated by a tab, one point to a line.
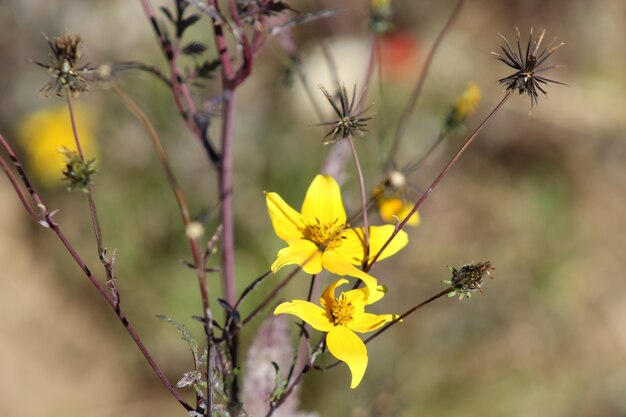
194	48
168	14
186	334
185	23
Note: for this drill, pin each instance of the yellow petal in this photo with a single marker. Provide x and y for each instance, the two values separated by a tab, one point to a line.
286	221
323	201
328	296
366	322
340	266
388	207
352	247
346	346
300	252
315	316
380	234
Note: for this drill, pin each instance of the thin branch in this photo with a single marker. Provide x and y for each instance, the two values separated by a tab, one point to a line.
366	229
198	259
439	177
48	221
270	296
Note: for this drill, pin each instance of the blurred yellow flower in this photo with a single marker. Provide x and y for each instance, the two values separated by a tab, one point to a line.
467	102
44	132
320	238
390	208
390	196
341	317
380	4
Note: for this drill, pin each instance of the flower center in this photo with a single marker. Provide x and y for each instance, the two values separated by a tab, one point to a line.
325	236
342	310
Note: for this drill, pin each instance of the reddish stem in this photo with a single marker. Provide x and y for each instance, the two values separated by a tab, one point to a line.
113	303
438	179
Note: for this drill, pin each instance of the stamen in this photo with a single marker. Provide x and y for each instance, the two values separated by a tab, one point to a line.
342	310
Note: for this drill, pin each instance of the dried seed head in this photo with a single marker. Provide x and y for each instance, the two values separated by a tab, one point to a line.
468	279
65	74
526	63
349	123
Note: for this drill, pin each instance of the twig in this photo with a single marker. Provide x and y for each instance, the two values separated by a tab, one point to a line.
97	229
48	221
270	296
366	229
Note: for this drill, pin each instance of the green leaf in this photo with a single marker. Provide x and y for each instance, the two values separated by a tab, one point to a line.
186	334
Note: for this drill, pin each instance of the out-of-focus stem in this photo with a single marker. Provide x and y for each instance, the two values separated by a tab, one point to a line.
226	198
97	230
410	105
366	229
175	187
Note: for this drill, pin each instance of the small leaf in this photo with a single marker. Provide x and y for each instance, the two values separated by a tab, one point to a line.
188	379
194	48
207	68
168	14
184	24
186	334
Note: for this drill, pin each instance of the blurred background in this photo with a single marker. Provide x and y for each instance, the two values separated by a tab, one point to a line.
541	196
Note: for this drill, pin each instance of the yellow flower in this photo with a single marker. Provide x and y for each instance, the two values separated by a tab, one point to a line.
319	237
390	196
340	317
390	208
467	102
44	132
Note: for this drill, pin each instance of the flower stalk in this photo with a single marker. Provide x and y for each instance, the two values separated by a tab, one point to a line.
439	177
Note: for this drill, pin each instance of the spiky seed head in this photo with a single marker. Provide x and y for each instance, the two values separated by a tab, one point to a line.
350	122
527	64
65	74
468	279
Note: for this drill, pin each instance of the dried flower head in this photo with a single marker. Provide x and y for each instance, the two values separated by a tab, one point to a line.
468	278
78	171
526	63
65	74
380	16
349	123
